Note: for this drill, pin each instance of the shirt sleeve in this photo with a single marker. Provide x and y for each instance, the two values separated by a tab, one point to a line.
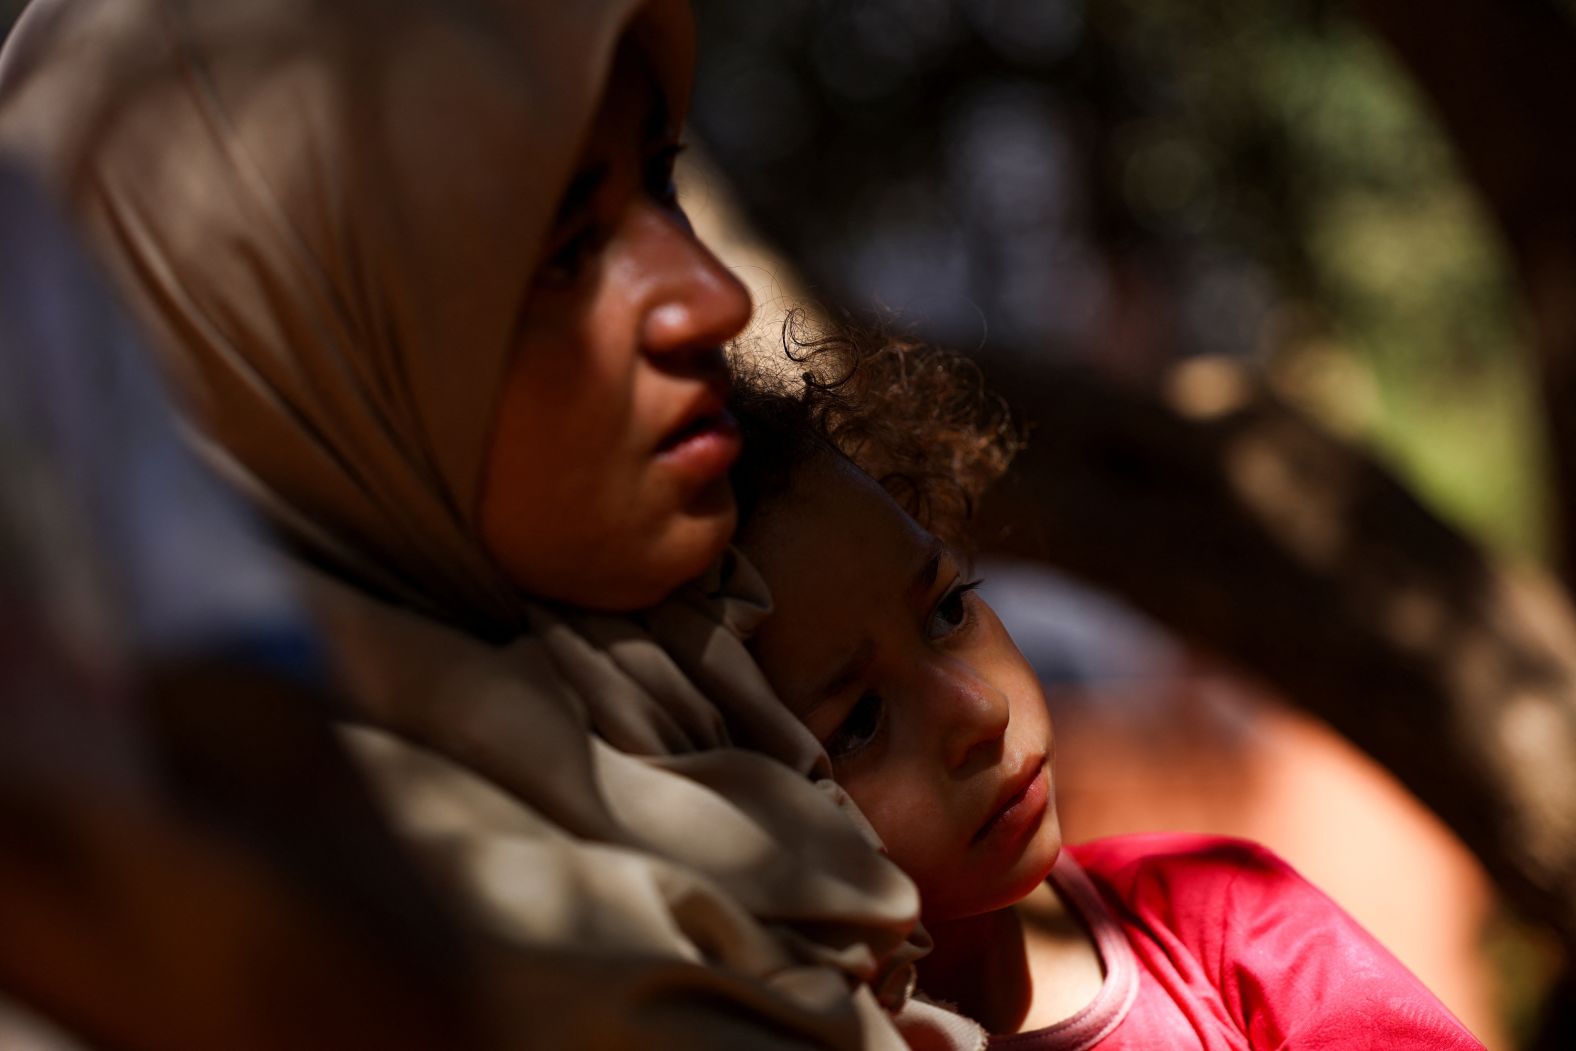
1291	968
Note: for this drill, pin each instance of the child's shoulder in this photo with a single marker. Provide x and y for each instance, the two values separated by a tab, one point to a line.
1176	853
1286	964
1190	877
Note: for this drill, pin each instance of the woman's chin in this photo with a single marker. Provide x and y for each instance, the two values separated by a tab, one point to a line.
655	570
694	539
646	559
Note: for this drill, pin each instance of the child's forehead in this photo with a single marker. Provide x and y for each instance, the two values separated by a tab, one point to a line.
830	486
834	527
845	565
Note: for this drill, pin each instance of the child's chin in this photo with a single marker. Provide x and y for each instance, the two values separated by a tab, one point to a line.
1003	893
1031	878
1038	858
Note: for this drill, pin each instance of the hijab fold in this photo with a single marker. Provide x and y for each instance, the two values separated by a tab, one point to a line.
327	214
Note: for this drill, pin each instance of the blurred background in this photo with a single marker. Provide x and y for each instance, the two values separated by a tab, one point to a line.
1125	184
1287	293
1284	291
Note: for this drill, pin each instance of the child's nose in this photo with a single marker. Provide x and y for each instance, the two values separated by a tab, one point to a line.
979	714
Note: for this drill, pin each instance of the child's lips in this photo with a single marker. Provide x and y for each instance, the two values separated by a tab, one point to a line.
1022	801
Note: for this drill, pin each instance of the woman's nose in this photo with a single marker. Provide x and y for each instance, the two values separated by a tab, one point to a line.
977	714
694	303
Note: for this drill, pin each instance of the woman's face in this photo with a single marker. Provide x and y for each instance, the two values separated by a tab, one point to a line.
935	723
606	482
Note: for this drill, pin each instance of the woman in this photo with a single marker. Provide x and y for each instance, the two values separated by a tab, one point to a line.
417	271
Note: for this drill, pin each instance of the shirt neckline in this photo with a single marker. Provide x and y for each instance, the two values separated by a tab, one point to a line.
1095	1021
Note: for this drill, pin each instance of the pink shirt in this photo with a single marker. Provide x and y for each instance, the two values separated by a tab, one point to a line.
1217	944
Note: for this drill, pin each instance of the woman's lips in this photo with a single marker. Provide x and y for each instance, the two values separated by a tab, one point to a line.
1022	808
704	448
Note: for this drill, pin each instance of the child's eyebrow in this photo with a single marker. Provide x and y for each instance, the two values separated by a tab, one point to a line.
852	668
847	672
925	579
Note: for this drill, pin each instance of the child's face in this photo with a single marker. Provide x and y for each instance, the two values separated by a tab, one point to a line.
606	482
935	723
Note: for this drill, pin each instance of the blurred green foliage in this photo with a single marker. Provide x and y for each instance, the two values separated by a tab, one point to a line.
1150	179
1306	145
1416	279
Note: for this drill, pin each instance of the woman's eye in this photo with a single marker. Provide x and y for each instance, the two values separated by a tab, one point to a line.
858	729
569	259
952	612
658	176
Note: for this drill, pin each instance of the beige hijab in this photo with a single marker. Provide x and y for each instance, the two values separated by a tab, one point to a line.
327	212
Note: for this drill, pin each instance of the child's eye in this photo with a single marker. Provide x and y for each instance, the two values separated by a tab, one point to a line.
858	729
952	612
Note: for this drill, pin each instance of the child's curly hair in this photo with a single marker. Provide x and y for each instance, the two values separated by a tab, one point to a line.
916	418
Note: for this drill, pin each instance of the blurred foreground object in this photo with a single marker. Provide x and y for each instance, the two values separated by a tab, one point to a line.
186	860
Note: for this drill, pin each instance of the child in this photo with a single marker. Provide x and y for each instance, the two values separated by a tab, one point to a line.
937	728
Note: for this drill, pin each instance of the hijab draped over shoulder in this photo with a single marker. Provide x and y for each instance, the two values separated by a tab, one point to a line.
327	215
